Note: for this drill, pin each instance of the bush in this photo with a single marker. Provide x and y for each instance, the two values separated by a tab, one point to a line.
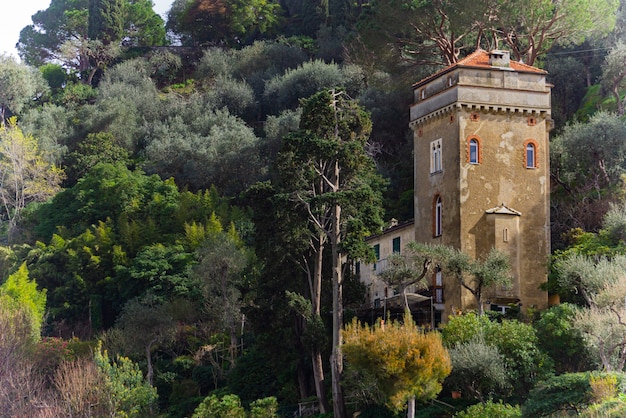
478	369
571	392
561	340
517	342
611	408
490	410
264	408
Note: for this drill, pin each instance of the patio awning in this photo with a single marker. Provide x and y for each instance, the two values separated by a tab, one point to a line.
406	299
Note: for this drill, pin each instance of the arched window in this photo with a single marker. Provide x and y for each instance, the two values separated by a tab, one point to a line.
530	154
438	216
436	164
473	151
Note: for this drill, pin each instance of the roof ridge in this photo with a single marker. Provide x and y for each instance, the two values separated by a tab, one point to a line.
480	59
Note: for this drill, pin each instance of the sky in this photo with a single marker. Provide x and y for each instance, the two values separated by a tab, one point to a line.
16	14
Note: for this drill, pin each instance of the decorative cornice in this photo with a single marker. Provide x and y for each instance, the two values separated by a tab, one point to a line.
482	108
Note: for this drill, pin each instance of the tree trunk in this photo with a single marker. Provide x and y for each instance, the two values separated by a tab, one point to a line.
150	373
318	378
316	298
336	360
410	413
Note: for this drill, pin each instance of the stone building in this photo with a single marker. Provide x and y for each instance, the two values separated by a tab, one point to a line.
482	176
482	180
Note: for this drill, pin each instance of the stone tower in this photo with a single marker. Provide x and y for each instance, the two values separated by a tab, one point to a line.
482	175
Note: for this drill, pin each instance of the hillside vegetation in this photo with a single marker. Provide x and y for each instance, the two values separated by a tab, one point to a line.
174	228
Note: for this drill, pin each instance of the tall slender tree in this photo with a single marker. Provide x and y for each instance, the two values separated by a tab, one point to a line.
327	174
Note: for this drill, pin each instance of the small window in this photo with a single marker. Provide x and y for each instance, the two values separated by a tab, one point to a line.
473	151
436	164
396	245
377	254
530	155
437	221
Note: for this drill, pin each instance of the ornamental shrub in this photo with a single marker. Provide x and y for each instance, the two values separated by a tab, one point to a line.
491	410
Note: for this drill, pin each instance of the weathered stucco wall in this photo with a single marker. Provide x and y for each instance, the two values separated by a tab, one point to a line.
503	110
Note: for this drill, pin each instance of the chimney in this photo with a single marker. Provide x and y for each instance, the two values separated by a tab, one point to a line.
499	58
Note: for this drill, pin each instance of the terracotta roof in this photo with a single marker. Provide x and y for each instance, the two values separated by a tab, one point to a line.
480	59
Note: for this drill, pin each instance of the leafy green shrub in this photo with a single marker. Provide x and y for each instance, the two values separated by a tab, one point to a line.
517	343
229	406
129	394
264	408
491	410
478	369
610	408
571	392
561	340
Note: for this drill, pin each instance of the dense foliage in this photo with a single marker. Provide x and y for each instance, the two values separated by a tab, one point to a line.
167	189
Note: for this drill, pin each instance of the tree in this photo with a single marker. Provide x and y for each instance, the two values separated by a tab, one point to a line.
587	164
478	369
229	22
81	33
106	20
220	268
201	147
602	283
407	364
229	406
128	393
286	90
97	148
613	74
127	100
20	292
19	84
422	32
63	22
144	325
474	275
25	176
531	28
143	26
328	176
440	31
162	271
